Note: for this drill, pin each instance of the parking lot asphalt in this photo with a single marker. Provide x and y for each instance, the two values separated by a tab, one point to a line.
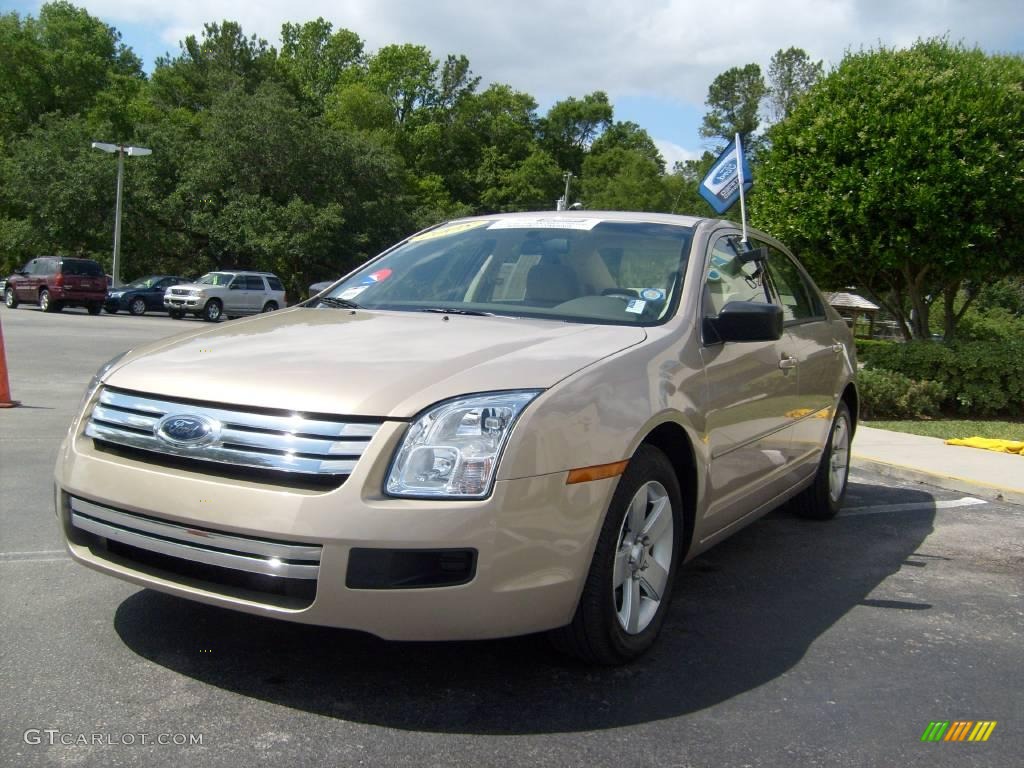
791	644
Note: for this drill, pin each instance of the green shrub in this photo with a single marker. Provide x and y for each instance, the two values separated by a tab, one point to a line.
890	394
980	378
866	348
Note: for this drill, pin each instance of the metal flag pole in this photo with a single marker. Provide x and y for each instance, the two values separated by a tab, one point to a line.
743	202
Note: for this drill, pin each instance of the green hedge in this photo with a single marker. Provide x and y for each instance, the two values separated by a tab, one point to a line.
866	348
980	378
890	394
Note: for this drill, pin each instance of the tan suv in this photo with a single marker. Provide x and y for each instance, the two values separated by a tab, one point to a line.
504	425
226	294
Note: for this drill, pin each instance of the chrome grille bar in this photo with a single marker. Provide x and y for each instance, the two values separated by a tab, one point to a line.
240	553
293	444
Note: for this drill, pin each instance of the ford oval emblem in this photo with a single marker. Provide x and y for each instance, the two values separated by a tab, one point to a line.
727	169
188	430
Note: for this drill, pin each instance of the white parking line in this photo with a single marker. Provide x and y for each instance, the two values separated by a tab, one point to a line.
916	506
35	556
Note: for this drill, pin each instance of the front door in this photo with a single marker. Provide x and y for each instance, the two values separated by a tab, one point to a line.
752	394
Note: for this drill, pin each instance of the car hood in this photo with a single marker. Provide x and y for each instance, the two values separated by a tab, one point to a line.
194	286
364	363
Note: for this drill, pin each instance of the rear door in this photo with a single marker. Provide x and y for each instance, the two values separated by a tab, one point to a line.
812	339
84	279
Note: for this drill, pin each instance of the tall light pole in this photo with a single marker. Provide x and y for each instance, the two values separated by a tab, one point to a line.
121	150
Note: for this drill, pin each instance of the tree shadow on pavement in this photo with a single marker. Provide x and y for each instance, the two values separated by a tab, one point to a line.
744	613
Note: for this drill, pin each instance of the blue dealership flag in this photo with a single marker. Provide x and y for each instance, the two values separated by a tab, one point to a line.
729	174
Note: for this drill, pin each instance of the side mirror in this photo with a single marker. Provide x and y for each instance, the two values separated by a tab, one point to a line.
744	321
234	287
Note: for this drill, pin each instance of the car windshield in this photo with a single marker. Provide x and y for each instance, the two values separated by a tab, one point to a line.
144	282
215	278
570	269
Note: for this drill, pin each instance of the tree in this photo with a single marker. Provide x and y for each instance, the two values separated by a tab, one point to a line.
317	57
734	97
791	74
571	126
901	172
624	180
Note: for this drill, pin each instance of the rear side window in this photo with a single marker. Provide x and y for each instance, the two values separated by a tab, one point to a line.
798	299
275	284
83	268
252	283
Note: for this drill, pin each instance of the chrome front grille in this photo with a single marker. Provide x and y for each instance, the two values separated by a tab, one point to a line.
180	291
239	553
301	446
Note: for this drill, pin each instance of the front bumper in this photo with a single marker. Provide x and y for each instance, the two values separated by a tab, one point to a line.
183	303
531	542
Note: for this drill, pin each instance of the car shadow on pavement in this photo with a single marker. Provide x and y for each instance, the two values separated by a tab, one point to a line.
744	613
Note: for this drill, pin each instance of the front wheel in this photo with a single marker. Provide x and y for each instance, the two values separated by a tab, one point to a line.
212	311
137	306
10	299
823	498
628	589
95	309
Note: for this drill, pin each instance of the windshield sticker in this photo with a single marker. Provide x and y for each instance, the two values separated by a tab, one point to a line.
636	306
351	293
451	229
652	294
375	277
547	222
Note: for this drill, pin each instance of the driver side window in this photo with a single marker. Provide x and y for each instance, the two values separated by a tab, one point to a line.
728	278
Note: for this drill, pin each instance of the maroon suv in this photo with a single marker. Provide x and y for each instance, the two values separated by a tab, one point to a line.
55	282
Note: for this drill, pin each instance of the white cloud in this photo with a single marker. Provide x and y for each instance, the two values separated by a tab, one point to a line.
667	50
556	48
672	153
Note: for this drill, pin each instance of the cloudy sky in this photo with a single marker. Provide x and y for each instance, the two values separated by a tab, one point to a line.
655	58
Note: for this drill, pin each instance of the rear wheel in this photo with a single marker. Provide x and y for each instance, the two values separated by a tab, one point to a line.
212	311
270	306
95	309
824	497
111	309
46	304
137	306
10	298
628	589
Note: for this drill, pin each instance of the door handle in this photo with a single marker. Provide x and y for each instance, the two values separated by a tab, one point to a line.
787	362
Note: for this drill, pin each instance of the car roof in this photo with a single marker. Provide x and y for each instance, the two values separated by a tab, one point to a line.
625	216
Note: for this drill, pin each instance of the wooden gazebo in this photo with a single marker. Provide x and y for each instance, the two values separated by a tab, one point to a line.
852	307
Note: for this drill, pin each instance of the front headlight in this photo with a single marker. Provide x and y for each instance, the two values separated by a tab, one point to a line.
452	449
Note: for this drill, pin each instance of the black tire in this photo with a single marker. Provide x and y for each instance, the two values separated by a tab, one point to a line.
137	305
270	306
596	634
11	298
176	315
46	304
823	499
95	309
212	311
111	310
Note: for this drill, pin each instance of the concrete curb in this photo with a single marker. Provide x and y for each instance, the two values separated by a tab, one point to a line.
918	475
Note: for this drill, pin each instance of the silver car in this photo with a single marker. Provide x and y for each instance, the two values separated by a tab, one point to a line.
506	424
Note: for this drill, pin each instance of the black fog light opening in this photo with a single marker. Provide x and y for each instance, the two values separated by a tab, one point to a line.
371	568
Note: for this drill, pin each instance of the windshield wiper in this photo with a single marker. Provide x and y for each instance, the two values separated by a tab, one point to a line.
454	311
331	301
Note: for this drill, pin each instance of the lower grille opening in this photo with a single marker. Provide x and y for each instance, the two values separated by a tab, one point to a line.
409	568
278	591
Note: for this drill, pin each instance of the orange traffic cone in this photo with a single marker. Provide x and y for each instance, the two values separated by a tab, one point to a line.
5	385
